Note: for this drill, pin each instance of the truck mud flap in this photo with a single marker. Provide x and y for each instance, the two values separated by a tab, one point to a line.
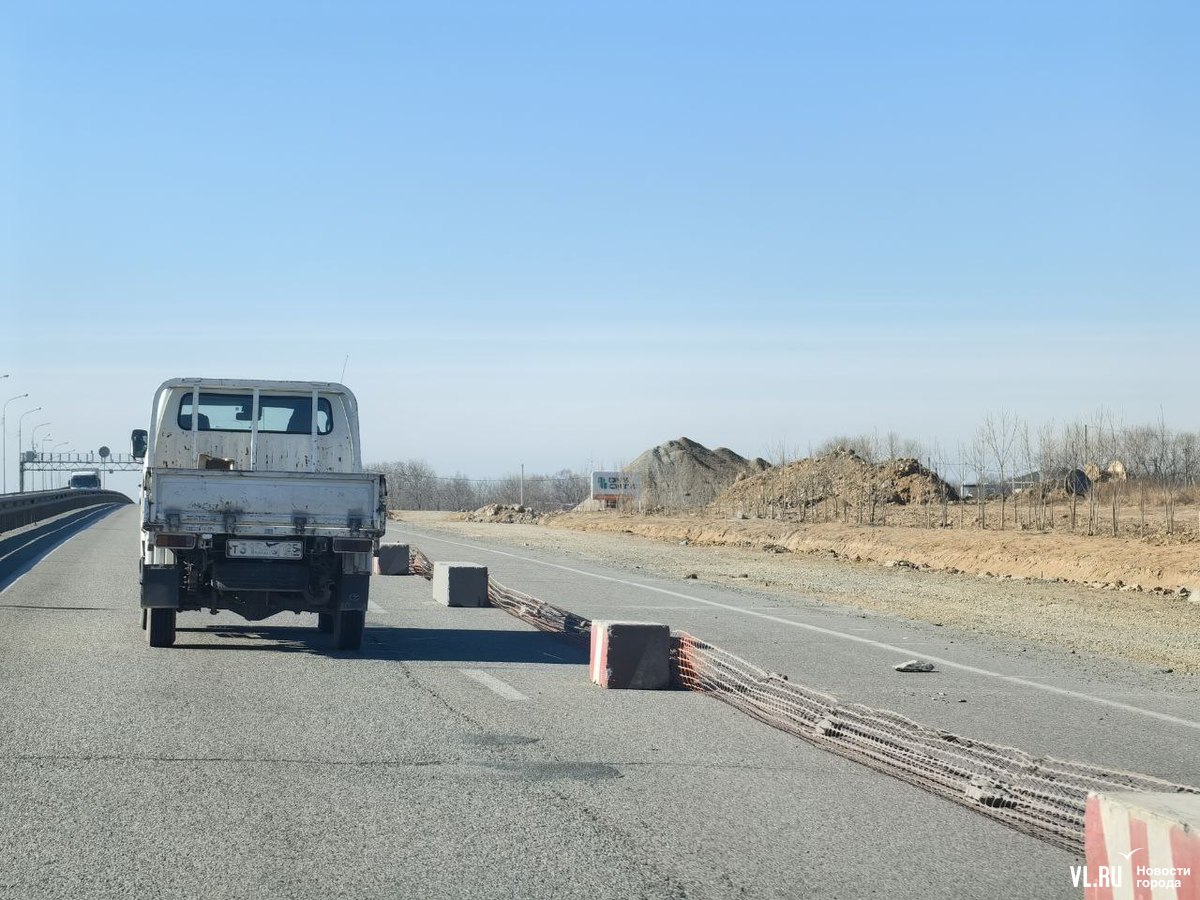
354	592
160	587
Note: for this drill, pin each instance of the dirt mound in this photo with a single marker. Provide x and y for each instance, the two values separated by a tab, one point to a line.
913	483
842	476
505	514
590	505
684	473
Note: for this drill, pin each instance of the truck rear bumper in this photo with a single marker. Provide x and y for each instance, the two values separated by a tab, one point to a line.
160	587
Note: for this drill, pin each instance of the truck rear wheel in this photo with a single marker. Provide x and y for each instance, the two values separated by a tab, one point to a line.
161	630
348	629
325	623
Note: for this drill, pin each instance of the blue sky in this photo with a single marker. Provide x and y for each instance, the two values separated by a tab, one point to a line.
559	233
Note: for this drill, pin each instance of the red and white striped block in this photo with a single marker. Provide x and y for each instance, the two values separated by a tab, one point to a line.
631	655
1141	847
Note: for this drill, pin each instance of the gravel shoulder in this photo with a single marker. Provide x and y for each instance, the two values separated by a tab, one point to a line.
1152	629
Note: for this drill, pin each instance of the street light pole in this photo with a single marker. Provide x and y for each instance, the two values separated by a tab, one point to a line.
33	434
21	468
4	441
52	449
41	454
33	445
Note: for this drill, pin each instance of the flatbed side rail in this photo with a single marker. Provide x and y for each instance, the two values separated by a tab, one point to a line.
266	503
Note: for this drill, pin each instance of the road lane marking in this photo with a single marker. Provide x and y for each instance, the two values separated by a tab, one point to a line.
492	683
25	569
375	607
904	651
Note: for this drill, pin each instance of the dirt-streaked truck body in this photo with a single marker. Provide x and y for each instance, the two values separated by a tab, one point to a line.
254	500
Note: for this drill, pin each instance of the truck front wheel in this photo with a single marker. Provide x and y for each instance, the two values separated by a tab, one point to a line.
348	629
161	630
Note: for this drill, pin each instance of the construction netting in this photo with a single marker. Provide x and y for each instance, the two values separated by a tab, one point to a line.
419	564
538	613
541	615
1041	796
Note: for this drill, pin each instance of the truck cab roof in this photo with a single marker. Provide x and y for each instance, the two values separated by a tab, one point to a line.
254	425
331	387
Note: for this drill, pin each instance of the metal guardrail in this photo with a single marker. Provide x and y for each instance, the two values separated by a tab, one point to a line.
19	510
1040	796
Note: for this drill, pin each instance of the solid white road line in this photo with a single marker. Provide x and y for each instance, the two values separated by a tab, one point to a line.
905	651
492	683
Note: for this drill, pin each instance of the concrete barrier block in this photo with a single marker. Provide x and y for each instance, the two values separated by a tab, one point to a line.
460	584
631	655
393	559
1138	845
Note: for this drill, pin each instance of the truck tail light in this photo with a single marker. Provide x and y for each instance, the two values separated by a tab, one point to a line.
353	545
175	541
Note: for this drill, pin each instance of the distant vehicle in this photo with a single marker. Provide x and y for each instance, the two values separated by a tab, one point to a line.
86	480
254	501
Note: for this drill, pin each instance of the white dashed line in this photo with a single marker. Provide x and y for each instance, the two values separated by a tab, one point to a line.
492	683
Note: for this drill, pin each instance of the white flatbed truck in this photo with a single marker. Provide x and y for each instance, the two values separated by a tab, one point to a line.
253	500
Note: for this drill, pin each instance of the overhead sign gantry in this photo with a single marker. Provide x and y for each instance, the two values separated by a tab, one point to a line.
104	461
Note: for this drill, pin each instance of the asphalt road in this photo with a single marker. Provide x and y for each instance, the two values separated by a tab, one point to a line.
1040	699
461	754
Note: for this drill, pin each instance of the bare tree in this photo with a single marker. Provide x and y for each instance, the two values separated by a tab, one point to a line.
977	459
458	493
898	447
998	436
779	452
505	491
568	488
422	483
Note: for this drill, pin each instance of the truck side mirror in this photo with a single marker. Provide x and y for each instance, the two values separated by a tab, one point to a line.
138	439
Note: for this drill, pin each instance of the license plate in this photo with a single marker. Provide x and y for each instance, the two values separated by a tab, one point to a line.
264	549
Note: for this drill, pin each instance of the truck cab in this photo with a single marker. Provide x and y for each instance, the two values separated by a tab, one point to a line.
254	501
87	480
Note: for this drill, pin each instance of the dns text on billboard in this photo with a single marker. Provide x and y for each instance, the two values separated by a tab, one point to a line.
614	486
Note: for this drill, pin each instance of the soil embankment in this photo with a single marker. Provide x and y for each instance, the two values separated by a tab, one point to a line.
1095	560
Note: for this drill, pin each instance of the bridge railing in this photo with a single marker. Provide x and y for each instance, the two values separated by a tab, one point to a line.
19	510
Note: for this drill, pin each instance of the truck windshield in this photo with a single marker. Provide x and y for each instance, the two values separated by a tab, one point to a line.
276	414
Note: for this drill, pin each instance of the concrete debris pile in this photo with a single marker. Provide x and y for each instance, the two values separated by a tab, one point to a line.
915	665
840	475
506	514
684	473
